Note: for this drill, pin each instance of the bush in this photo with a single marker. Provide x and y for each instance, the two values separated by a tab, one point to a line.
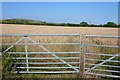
8	68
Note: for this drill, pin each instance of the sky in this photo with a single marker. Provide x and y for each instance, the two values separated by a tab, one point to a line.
62	12
60	0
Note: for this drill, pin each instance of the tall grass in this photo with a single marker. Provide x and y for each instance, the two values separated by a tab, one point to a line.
0	66
12	68
103	50
9	68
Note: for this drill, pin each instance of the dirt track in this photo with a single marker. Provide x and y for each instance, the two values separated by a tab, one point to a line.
35	29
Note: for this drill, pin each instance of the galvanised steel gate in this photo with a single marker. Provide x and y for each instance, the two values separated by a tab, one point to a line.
102	56
44	53
56	53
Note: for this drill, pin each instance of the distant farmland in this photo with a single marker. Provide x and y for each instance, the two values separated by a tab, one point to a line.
37	29
34	29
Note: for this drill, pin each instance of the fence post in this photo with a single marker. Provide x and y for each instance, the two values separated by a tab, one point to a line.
79	50
84	45
26	51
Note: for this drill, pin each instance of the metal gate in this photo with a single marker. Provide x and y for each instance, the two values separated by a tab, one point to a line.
60	53
102	56
40	53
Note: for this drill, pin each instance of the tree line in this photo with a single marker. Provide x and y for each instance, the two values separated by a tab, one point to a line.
34	22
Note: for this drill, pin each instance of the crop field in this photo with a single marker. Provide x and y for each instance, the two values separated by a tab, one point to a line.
35	29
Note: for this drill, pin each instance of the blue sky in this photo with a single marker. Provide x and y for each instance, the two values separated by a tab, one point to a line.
62	12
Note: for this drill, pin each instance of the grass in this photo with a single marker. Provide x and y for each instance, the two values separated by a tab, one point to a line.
67	48
103	50
60	48
0	66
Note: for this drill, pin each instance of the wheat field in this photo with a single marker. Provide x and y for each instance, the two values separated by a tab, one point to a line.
40	29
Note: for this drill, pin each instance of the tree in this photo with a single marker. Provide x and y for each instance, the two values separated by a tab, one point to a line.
111	24
83	24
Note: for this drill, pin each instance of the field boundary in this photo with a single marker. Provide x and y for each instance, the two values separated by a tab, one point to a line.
26	38
102	62
76	69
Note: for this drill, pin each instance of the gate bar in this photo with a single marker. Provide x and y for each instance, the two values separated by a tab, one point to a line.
53	54
39	35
